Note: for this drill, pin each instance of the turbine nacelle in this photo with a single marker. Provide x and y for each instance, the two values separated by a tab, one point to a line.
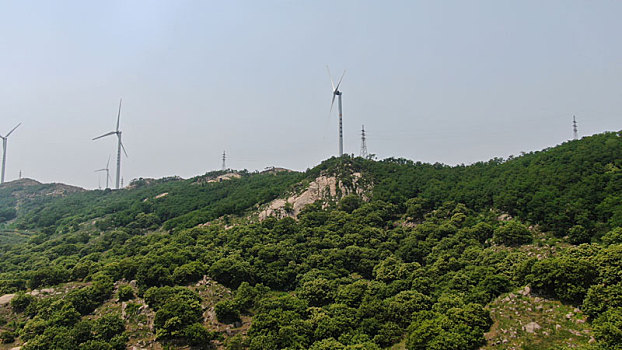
335	90
10	132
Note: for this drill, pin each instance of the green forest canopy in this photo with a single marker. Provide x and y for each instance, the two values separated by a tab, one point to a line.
417	262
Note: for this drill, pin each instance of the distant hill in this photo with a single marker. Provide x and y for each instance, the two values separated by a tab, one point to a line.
17	194
52	188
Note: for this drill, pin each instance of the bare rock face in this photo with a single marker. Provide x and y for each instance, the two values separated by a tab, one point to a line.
322	188
504	217
220	178
531	327
5	299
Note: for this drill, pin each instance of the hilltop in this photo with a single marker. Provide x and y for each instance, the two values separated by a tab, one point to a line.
42	189
17	194
352	254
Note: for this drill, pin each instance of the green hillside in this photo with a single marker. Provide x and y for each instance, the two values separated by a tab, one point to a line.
396	255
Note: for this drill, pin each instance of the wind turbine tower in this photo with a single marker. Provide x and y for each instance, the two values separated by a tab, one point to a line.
107	170
337	93
363	143
119	146
4	142
574	128
224	158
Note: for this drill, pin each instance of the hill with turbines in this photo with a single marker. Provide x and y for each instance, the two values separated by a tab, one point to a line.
518	253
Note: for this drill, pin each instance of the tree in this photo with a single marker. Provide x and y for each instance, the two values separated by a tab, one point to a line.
317	292
48	276
327	344
231	271
7	337
126	293
613	237
608	328
227	311
246	296
512	233
564	277
456	328
108	326
187	273
196	335
350	203
21	301
578	234
601	297
175	315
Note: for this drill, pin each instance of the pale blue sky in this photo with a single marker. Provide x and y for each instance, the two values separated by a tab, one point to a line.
436	81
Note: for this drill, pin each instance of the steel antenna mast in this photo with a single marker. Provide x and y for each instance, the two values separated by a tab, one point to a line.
363	143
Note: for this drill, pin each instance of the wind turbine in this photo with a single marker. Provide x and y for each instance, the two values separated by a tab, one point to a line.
107	170
119	145
337	93
4	141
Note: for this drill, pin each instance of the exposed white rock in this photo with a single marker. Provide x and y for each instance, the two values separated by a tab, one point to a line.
322	188
5	299
531	327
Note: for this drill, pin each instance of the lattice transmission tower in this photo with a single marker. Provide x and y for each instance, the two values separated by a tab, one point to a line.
363	153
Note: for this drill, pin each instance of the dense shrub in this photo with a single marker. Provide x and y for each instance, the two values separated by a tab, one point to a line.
565	278
21	301
227	311
608	328
126	293
512	233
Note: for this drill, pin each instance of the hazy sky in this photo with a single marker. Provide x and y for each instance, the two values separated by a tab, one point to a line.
436	81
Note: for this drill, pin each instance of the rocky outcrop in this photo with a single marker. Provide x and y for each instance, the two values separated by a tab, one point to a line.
324	188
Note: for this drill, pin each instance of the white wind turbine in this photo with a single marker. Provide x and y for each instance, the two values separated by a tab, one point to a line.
4	142
337	93
107	170
119	145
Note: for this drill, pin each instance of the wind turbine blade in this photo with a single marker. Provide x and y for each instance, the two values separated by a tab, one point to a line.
100	170
123	148
119	114
339	83
7	135
331	78
104	135
332	103
108	163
